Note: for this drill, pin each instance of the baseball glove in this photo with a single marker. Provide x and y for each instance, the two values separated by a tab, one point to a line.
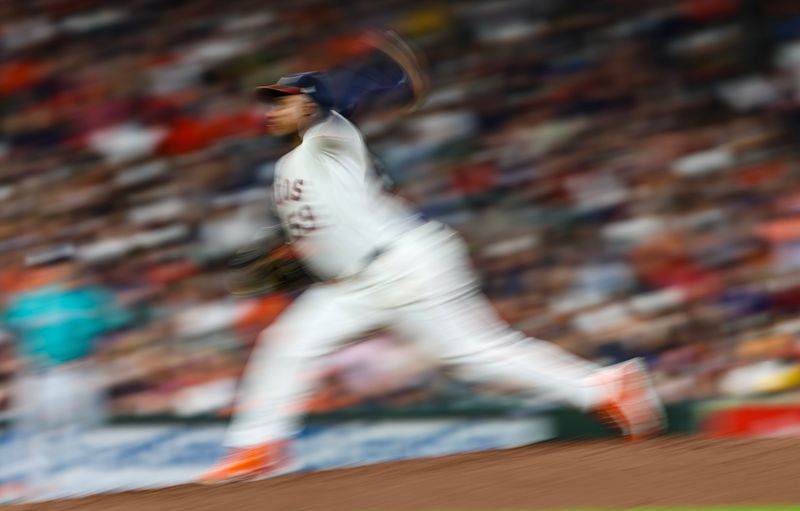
266	265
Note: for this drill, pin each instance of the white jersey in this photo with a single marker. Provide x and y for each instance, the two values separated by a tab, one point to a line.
422	288
330	201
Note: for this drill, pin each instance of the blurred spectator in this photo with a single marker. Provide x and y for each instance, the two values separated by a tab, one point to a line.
58	387
626	172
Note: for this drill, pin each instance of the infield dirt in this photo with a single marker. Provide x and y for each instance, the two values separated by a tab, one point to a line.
669	471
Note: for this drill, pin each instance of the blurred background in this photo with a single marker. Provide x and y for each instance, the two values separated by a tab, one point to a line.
625	172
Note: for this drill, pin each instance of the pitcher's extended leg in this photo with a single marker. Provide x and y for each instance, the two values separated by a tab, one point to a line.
467	333
277	379
275	383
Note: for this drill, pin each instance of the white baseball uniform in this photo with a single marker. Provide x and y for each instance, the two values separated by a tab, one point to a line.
382	267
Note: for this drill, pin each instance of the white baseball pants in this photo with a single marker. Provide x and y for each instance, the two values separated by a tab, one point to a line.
424	289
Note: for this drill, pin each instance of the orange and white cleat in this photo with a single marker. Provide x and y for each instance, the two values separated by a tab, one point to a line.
244	464
631	404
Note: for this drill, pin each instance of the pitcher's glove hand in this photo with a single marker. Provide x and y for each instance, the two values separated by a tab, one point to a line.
266	265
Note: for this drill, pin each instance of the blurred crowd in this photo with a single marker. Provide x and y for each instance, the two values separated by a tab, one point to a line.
624	171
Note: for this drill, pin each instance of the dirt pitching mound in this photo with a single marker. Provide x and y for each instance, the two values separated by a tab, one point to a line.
686	471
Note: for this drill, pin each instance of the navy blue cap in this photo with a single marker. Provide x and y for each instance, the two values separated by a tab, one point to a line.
313	84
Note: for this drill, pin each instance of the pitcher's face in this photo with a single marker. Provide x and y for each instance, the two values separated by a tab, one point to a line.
287	114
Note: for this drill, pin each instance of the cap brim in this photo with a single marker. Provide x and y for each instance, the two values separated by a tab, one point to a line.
270	92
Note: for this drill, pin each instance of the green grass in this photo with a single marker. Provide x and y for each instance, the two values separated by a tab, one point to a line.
707	508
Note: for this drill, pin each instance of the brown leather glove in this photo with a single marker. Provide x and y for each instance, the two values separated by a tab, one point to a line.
265	266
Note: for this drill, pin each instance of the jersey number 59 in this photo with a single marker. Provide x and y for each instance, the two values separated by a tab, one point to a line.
300	222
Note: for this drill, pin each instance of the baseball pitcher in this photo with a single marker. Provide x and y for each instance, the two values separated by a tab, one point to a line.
377	264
